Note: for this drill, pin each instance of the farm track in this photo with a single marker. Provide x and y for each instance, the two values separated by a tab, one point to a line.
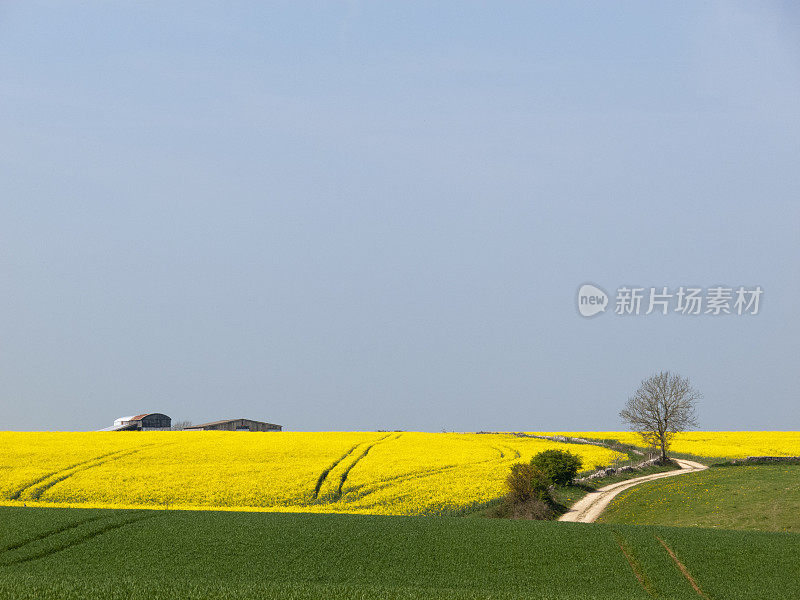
75	542
588	508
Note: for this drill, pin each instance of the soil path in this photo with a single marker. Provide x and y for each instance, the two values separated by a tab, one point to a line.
588	508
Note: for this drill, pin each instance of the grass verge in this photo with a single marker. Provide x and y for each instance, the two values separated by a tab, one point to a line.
754	497
566	496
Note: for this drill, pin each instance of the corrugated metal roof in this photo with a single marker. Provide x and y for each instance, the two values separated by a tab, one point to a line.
220	422
134	417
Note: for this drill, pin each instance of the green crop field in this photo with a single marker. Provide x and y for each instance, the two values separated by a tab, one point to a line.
763	497
116	554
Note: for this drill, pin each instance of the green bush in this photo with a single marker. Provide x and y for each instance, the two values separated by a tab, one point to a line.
526	482
559	466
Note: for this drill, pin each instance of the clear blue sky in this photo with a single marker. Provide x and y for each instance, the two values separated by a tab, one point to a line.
373	215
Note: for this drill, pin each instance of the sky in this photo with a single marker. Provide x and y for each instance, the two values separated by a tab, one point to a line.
359	216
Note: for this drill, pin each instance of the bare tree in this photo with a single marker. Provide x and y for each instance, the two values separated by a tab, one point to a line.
180	425
663	405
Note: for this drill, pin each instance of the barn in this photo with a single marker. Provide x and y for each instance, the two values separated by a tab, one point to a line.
235	425
145	422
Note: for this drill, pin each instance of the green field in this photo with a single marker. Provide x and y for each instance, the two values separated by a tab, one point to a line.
764	497
103	554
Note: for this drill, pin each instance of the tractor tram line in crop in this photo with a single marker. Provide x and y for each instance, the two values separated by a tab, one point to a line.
684	571
357	493
636	567
359	458
17	494
324	474
342	462
673	573
60	546
34	492
49	533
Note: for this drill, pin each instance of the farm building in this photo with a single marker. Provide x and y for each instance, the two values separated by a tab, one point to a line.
146	422
235	425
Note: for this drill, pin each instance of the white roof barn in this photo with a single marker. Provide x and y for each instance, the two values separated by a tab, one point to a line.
145	422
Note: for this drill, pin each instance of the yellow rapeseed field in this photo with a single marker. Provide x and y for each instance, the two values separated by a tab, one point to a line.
403	473
712	444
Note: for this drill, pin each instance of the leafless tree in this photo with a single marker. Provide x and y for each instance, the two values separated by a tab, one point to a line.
663	405
180	425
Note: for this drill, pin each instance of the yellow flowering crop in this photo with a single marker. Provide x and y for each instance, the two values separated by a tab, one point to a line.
27	460
363	472
432	473
714	444
212	468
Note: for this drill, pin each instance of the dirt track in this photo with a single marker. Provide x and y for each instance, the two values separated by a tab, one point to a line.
588	508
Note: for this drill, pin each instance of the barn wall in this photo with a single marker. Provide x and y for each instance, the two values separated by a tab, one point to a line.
242	425
156	421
